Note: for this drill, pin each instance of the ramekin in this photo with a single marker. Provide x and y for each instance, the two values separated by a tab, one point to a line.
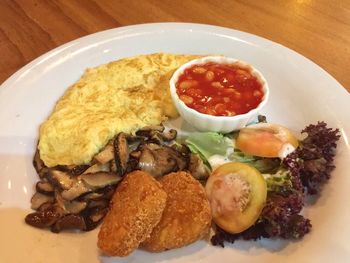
205	122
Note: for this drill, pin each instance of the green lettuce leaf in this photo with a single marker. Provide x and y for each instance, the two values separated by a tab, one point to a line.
208	143
279	182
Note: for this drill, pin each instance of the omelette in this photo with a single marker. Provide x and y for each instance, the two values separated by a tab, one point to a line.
121	96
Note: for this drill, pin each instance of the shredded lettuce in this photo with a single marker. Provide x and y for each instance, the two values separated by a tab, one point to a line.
208	144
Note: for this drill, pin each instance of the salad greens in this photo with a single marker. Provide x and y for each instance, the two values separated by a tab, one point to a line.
279	182
302	172
207	144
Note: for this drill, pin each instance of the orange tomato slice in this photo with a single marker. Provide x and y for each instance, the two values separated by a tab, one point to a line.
237	194
265	140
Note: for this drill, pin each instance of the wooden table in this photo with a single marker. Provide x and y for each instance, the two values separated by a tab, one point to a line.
318	29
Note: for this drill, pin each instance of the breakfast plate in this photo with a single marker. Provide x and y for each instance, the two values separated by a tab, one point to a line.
300	93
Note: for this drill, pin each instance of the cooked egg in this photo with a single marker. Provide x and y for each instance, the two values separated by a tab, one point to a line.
121	96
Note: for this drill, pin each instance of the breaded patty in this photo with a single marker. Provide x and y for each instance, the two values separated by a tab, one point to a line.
186	217
136	208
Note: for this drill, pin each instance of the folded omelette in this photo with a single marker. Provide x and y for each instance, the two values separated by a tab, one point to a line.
121	96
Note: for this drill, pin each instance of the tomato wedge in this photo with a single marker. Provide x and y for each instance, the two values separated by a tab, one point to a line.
237	194
266	140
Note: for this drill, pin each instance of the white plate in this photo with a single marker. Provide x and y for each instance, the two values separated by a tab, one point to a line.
301	93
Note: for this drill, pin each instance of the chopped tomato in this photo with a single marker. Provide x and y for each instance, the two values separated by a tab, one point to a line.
237	194
265	140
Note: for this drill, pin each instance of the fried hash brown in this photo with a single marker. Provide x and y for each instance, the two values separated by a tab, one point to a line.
186	217
136	208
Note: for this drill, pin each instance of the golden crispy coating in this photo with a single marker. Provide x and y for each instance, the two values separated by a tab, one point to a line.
186	217
136	208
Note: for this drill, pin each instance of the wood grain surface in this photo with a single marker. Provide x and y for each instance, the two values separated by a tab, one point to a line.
317	29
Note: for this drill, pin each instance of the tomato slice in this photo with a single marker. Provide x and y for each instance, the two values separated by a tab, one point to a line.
237	194
266	140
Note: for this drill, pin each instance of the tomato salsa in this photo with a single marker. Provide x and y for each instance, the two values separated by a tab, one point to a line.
219	89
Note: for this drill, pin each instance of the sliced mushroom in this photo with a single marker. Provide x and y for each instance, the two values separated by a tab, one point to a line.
94	196
45	206
38	163
108	192
61	179
38	199
132	164
43	218
106	155
78	188
182	148
64	168
79	169
44	188
159	160
44	172
121	152
75	207
262	118
69	221
197	168
182	160
156	138
97	168
170	135
134	142
94	216
162	137
99	204
80	194
70	207
100	179
112	166
147	162
135	154
98	215
168	161
148	131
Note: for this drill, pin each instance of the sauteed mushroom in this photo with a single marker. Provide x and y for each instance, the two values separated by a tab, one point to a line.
121	153
44	188
38	199
106	155
70	221
78	196
197	168
160	160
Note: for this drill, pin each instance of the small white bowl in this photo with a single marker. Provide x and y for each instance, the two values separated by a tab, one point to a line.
205	122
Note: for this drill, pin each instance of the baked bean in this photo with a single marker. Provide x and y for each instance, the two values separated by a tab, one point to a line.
220	108
217	84
209	75
230	113
194	92
186	99
199	70
188	84
219	89
256	93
